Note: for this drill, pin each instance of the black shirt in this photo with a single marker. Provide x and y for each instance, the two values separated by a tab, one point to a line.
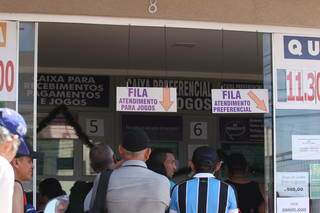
248	195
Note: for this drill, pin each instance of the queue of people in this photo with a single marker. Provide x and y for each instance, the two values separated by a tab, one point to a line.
141	182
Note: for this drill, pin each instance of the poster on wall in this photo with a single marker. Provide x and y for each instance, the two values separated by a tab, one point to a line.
240	101
146	99
70	90
296	71
8	61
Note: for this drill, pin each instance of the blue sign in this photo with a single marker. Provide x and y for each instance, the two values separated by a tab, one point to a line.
297	47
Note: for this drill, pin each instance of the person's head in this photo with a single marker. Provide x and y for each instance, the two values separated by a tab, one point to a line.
12	130
135	146
50	188
237	164
205	160
162	162
22	164
101	157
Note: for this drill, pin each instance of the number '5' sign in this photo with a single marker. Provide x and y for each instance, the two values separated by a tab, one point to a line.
95	127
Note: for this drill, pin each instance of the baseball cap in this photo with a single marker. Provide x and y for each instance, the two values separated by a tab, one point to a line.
135	140
205	156
26	150
14	122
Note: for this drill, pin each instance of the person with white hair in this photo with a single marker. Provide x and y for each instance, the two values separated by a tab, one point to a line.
12	130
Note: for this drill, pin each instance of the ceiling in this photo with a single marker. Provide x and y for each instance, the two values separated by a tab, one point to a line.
149	48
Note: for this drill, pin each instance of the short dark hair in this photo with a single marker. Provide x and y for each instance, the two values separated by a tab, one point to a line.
101	157
236	162
50	188
204	168
156	160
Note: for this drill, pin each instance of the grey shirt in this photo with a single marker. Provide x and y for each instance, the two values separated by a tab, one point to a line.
133	188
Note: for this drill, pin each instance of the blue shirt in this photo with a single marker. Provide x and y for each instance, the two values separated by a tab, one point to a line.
210	191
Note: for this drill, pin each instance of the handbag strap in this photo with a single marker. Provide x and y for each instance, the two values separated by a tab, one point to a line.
99	205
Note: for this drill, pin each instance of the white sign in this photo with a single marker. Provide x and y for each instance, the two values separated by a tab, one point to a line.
146	99
296	71
8	61
240	101
293	205
305	147
95	127
293	184
199	130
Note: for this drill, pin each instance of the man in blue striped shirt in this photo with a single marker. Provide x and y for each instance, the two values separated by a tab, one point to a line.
204	193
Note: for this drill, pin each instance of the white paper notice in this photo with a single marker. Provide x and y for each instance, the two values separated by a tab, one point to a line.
293	205
293	184
305	147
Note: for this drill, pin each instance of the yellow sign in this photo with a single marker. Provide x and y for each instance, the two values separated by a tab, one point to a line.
3	34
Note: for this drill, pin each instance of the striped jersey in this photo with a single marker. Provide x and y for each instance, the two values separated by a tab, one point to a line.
203	194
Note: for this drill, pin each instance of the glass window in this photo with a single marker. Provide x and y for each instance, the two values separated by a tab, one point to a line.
57	157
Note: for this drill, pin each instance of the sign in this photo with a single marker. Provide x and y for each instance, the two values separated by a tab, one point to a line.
192	95
241	129
146	99
71	90
293	205
95	127
8	61
296	75
298	47
315	181
158	128
293	184
199	130
240	101
305	147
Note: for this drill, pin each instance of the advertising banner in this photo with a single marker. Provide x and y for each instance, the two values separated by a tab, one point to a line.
240	101
8	61
296	71
146	99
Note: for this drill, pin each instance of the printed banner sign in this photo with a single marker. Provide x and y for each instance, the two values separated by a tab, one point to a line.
240	101
8	61
71	90
296	75
293	184
146	99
